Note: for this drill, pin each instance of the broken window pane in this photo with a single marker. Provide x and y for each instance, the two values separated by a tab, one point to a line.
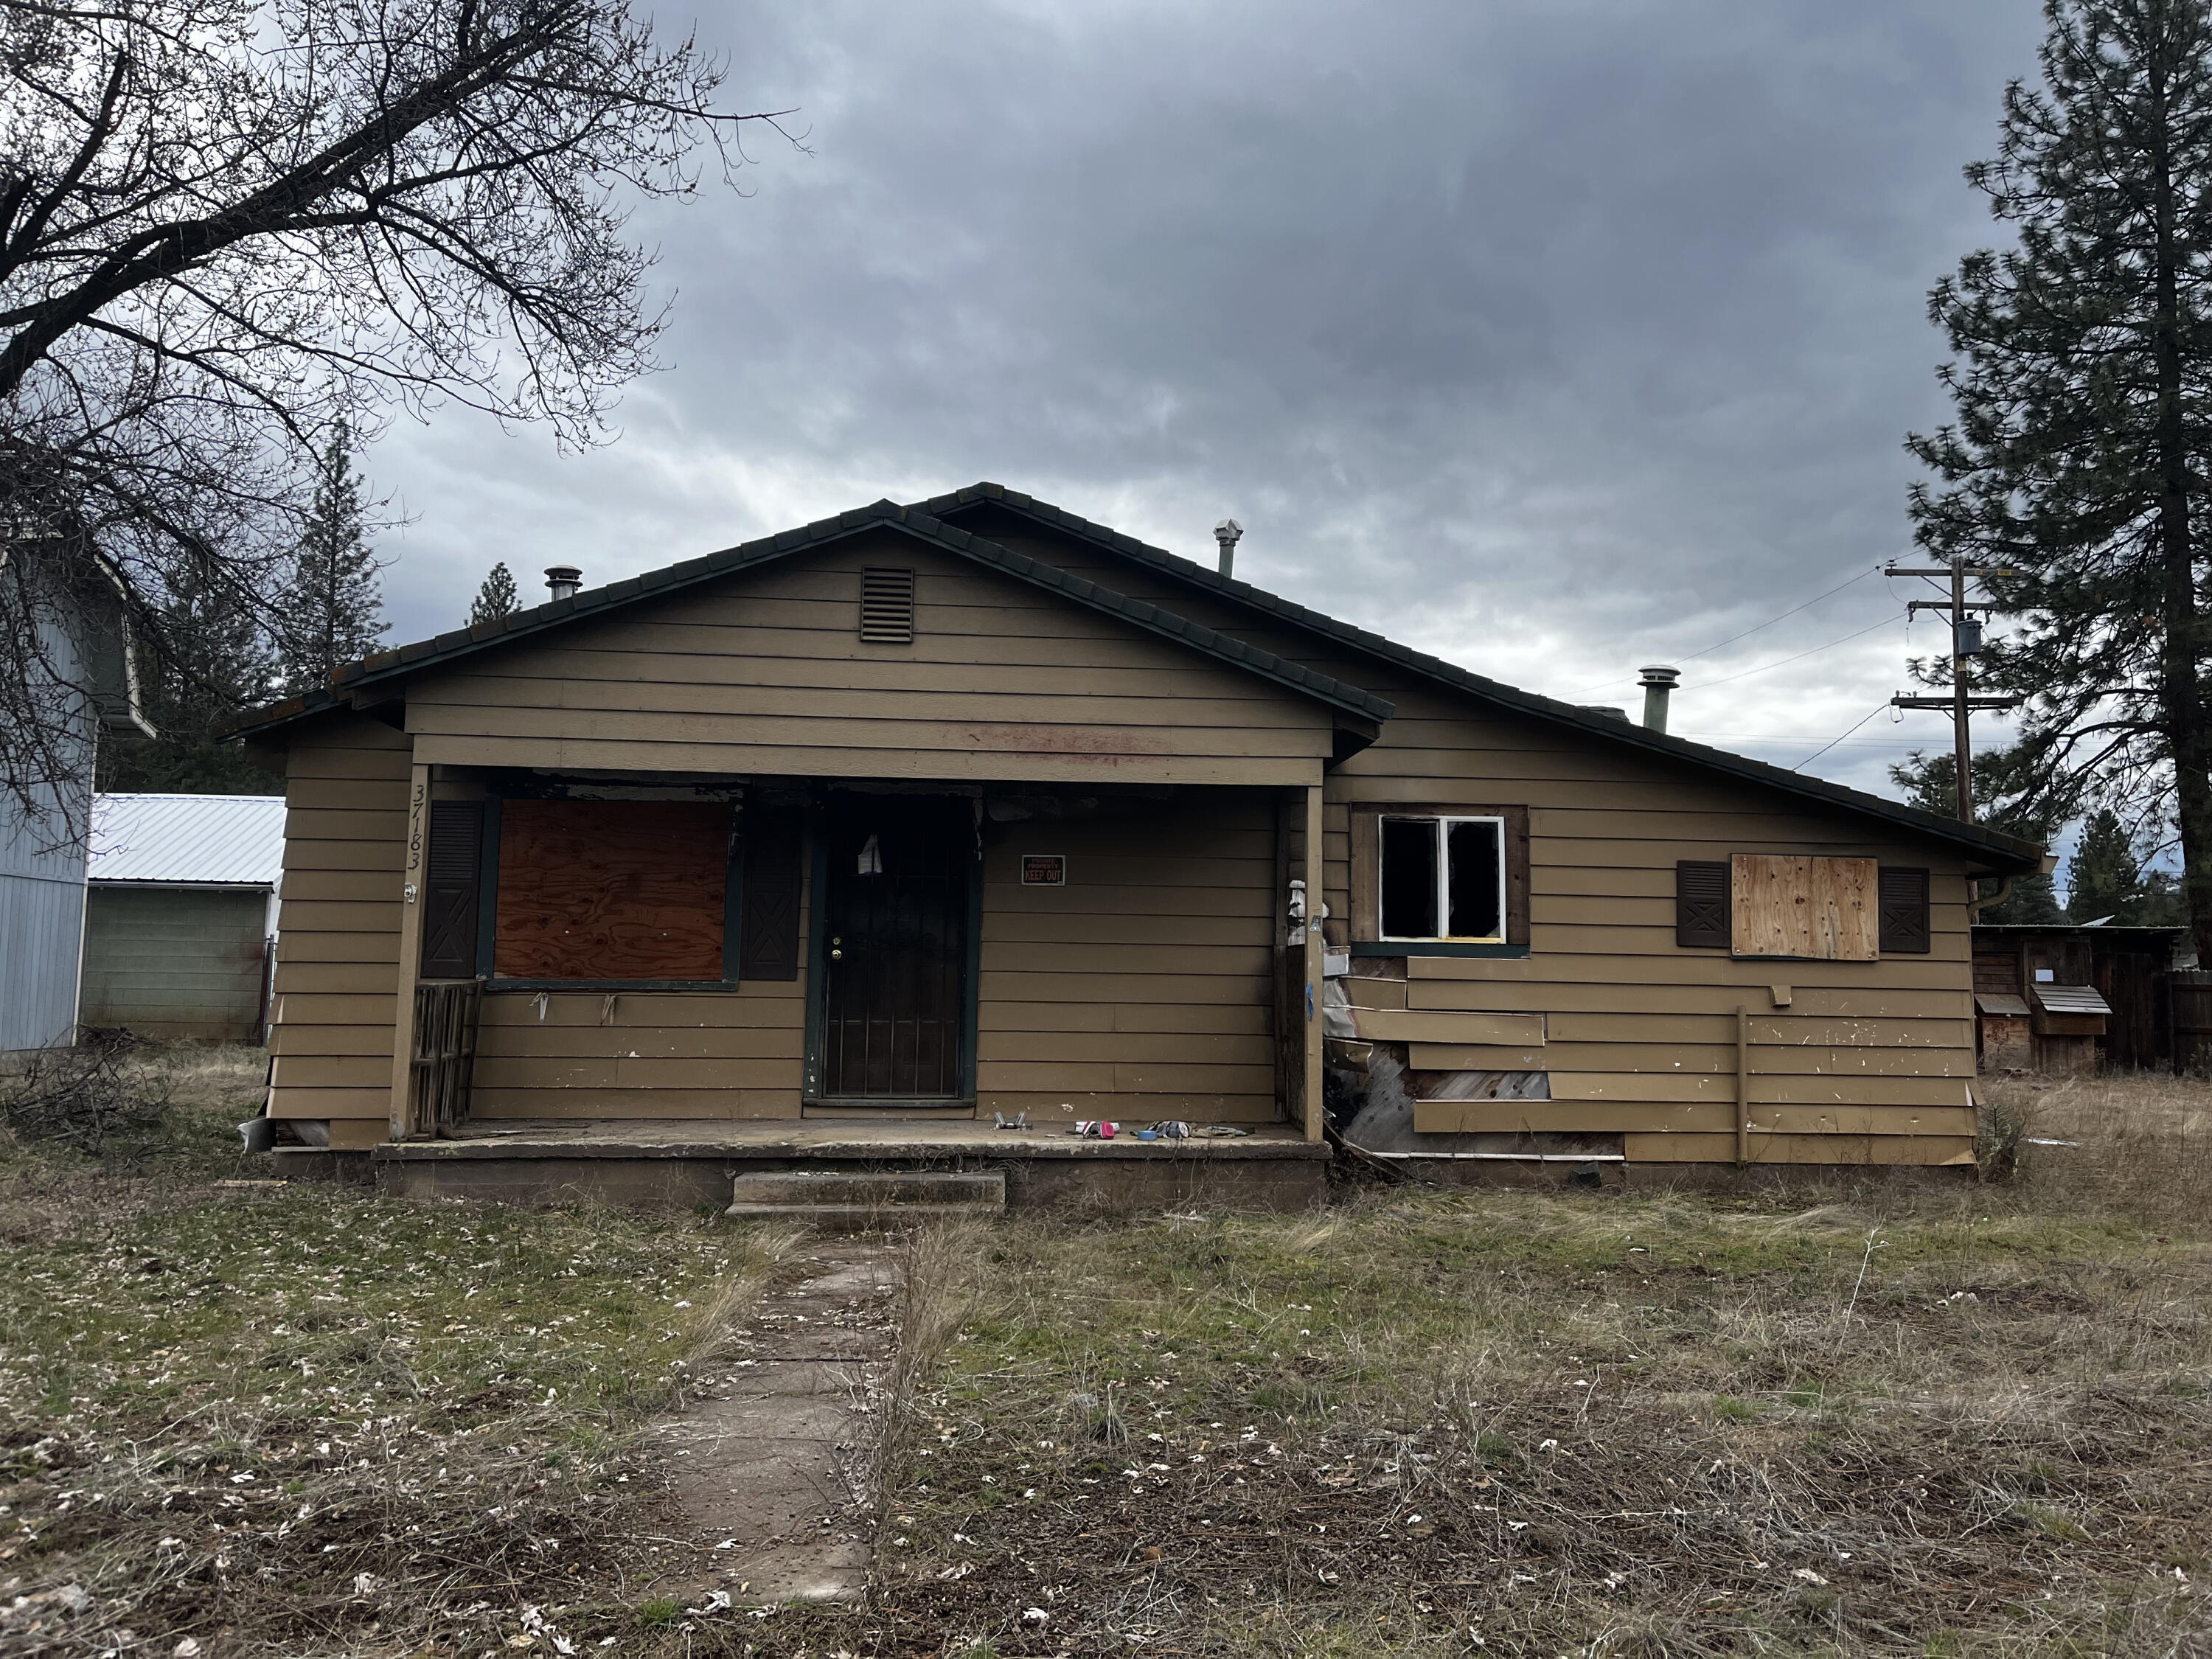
1476	882
1409	878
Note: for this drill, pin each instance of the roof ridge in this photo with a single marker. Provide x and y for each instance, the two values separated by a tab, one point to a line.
914	519
1466	679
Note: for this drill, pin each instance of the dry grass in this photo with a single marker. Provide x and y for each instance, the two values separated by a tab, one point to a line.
1873	1419
1915	1418
299	1420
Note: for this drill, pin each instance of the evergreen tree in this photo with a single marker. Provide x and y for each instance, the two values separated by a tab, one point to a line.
2082	383
2103	880
495	598
333	609
1930	783
213	663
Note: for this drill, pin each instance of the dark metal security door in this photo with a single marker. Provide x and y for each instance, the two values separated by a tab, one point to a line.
895	949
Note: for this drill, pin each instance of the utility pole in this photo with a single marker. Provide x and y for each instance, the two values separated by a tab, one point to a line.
1965	645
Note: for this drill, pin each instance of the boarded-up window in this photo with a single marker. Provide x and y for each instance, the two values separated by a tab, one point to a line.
769	945
451	877
1905	928
886	606
613	889
1701	904
1788	905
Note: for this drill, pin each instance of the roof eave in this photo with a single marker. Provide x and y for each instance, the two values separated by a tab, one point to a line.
351	680
2007	853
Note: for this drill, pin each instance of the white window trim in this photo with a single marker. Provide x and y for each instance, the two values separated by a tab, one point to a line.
1443	877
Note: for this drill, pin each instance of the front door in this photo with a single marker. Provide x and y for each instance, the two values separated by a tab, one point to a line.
894	992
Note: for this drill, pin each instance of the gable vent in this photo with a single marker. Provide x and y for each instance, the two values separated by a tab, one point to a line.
886	607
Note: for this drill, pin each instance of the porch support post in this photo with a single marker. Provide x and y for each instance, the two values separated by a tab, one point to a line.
410	947
1311	1093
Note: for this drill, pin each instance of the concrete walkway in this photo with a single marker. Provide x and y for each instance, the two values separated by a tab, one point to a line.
774	1462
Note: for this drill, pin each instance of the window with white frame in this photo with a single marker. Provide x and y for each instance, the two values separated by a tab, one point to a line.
1441	878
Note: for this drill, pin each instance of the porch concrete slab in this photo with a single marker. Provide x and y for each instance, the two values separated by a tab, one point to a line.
691	1164
840	1140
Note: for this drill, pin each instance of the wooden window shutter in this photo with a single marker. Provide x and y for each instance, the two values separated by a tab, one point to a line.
886	606
451	889
774	839
1702	920
1905	928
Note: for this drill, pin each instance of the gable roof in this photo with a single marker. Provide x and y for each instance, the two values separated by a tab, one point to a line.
384	666
2003	850
927	522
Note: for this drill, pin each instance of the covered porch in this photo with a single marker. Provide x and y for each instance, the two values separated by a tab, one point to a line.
648	960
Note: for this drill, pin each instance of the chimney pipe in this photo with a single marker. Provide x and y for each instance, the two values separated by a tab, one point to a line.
1226	534
1658	681
564	579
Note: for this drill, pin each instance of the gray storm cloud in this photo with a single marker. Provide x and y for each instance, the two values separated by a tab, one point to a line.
1550	338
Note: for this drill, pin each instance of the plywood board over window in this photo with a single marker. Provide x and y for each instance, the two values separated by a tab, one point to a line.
607	890
1823	909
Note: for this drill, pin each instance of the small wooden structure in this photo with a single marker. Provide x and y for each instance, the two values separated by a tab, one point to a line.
2073	998
928	816
180	914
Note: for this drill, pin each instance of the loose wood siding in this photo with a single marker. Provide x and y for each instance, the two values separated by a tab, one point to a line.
1142	988
337	949
766	673
1870	1061
643	1054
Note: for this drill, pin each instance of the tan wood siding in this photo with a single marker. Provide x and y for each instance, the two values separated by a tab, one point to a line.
338	963
1142	989
766	673
1867	1062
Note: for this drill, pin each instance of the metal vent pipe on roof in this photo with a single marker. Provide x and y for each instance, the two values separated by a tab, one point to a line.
1658	682
1226	535
564	579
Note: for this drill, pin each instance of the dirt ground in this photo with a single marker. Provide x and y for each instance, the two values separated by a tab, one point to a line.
1927	1416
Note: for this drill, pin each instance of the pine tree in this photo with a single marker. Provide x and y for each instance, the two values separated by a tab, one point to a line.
333	609
2082	384
495	598
1930	783
2103	880
213	662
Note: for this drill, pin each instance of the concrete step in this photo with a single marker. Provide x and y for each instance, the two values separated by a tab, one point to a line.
856	1200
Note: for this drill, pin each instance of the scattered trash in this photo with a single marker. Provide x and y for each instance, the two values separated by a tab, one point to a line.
187	1649
1097	1129
1037	1616
1808	1576
1019	1120
1220	1132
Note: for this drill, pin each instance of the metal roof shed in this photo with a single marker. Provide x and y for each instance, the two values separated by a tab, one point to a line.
181	914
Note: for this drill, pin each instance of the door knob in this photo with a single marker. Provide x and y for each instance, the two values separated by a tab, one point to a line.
836	955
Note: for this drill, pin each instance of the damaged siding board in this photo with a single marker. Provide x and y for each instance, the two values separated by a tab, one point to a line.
337	956
1515	1030
1607	827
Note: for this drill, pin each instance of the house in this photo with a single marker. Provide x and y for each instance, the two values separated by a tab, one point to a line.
924	816
180	914
2074	998
87	683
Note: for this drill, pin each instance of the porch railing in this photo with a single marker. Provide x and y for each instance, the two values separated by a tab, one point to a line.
445	1057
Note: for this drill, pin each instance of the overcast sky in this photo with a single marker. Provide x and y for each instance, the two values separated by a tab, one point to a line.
1552	336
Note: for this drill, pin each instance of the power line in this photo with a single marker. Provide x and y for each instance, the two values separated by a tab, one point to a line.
1785	661
1756	628
1833	742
